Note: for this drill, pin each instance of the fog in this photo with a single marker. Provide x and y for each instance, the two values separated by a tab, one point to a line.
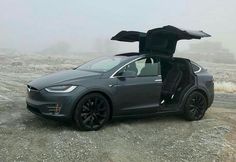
87	26
43	37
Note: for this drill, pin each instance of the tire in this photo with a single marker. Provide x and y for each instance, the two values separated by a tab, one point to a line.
92	112
195	106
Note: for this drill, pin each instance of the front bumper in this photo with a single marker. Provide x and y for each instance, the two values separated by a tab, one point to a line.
53	105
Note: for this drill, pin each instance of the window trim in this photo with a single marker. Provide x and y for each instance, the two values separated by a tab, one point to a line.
94	70
113	75
197	66
139	58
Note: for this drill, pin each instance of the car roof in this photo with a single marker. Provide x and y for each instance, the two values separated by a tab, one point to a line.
129	54
137	54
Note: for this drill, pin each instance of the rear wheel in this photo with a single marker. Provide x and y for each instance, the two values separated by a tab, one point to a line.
195	106
92	112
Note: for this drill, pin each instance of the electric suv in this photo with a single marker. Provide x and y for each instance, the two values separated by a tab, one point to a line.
144	83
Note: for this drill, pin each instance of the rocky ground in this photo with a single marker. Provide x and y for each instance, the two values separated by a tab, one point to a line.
26	137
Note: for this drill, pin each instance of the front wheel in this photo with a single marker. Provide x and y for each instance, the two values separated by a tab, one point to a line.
195	106
92	112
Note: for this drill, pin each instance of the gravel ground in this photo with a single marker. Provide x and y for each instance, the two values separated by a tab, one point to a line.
26	137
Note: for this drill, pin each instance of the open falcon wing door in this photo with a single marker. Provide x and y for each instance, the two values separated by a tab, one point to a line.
132	36
159	41
163	40
128	36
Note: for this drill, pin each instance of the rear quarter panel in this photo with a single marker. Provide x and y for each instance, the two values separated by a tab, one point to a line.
205	82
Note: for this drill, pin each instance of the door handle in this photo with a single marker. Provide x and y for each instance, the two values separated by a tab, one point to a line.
113	85
158	80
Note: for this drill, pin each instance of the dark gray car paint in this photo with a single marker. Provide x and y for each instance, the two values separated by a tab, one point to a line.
61	78
143	94
161	41
137	94
205	82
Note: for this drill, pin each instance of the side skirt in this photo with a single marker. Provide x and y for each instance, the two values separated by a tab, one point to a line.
160	112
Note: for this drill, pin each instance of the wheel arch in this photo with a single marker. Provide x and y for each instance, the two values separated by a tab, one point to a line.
203	93
194	89
108	97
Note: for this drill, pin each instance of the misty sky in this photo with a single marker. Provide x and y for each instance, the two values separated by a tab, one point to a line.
32	25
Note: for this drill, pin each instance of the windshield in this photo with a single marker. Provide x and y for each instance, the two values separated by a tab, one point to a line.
103	64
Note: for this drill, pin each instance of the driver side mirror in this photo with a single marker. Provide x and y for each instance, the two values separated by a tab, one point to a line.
127	74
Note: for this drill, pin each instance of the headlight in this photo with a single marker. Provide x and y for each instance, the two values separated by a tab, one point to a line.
61	89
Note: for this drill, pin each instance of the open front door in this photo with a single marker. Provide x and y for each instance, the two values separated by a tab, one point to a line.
139	93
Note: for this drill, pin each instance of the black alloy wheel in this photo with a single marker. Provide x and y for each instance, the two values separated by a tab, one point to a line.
92	112
195	106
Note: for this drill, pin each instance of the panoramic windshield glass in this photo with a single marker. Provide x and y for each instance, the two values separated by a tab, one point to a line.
103	64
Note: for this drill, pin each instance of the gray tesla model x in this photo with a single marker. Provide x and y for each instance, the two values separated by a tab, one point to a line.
145	83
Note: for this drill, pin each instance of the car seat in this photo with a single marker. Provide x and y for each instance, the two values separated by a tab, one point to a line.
149	68
132	67
171	83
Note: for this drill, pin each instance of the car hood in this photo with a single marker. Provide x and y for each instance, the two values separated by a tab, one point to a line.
60	78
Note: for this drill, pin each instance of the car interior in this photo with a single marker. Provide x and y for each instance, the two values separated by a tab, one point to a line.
145	67
177	77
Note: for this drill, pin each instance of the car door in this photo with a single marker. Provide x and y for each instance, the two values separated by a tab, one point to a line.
138	86
159	41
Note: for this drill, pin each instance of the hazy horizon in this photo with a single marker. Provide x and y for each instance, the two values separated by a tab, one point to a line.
30	25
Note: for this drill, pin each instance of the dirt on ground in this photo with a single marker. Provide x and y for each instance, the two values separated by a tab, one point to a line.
26	137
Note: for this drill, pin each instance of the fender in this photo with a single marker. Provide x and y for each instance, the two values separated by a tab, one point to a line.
189	91
94	90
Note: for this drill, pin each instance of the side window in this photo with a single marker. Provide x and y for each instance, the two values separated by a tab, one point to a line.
140	64
144	67
151	67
